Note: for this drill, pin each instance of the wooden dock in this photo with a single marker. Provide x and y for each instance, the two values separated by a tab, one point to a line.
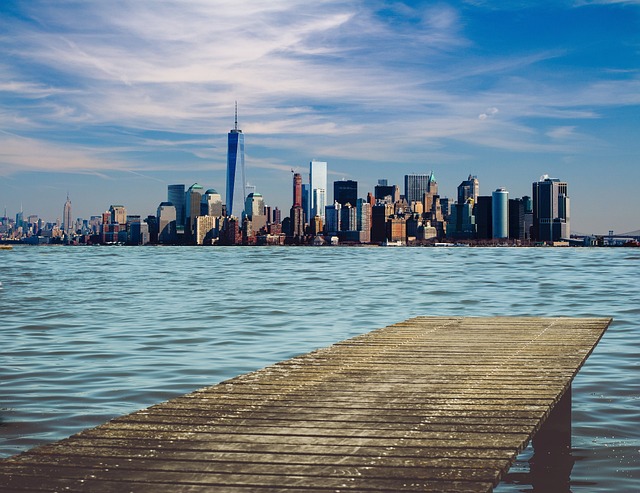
436	404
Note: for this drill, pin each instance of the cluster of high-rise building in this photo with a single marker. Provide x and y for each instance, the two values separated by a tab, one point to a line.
420	215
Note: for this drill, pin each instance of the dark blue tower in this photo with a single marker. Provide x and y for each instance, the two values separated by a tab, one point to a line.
236	181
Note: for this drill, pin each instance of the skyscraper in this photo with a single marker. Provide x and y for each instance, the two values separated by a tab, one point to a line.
193	197
66	217
420	188
175	195
317	188
345	192
166	215
297	214
500	213
483	212
415	186
297	190
211	203
469	189
254	209
236	180
550	210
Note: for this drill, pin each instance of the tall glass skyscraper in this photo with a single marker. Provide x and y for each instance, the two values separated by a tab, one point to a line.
550	210
175	195
500	213
236	180
317	188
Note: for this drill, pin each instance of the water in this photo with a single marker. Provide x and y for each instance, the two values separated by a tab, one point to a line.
89	333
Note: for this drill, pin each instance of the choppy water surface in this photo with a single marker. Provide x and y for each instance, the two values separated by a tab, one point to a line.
89	333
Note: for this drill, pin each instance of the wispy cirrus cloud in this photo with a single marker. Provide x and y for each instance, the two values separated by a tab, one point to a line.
142	84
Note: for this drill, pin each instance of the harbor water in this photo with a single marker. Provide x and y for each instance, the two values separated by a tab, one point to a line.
90	333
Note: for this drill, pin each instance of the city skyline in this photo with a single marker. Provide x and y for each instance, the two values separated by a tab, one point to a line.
144	99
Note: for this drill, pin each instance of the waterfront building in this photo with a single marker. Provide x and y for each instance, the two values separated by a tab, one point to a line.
432	192
364	220
296	215
137	231
167	223
516	219
386	193
483	212
416	186
550	210
230	231
317	188
305	200
345	192
333	216
500	213
118	214
348	218
297	190
67	222
206	230
396	229
445	208
236	180
379	215
277	216
469	189
528	216
316	225
254	210
176	195
211	204
462	223
193	197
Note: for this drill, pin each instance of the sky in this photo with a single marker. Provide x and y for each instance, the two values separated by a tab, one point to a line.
110	102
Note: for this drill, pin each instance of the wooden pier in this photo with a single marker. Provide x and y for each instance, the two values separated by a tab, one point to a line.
436	404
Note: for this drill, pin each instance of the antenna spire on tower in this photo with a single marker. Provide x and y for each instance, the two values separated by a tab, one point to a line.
236	127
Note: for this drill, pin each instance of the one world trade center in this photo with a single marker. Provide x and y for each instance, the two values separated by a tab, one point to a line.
236	180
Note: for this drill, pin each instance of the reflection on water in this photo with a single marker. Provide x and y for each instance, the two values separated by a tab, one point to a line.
90	333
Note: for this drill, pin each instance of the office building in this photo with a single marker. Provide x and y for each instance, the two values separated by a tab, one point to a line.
500	213
364	220
386	193
349	217
211	204
317	188
192	200
67	222
345	192
469	189
175	195
254	210
333	216
236	180
550	210
483	212
517	219
416	186
296	215
305	200
167	223
118	214
206	230
277	216
462	222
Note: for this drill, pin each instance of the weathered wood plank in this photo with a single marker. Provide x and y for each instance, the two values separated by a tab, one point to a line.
428	404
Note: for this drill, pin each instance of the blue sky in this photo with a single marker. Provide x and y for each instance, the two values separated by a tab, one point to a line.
112	101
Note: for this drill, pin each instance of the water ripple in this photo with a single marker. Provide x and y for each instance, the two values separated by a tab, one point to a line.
82	344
